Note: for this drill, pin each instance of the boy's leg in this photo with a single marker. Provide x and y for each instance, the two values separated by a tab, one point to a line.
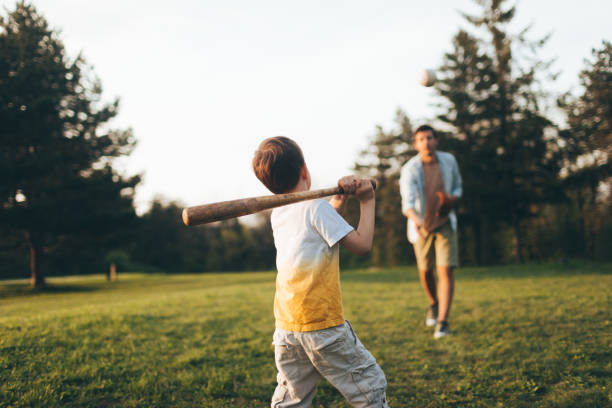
340	357
297	377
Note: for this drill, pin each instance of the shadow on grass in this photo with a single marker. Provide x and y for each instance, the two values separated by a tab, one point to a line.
15	290
22	288
409	273
401	274
383	275
536	270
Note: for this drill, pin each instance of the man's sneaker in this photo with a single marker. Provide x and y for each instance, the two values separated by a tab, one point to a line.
441	330
432	315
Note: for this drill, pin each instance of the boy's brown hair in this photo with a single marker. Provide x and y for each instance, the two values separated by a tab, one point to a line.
277	164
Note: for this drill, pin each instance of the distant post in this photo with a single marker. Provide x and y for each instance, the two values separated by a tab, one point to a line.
112	275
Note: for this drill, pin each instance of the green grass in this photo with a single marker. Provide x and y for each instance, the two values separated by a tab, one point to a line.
536	335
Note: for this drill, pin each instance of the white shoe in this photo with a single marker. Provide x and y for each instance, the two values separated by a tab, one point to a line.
442	330
432	315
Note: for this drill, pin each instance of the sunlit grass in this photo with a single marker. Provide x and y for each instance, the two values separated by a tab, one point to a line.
537	335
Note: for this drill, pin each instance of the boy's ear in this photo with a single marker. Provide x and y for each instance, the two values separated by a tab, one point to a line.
305	175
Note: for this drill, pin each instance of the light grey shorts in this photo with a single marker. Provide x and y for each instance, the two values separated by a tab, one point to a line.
336	354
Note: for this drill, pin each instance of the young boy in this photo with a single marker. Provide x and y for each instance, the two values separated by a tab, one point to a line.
312	339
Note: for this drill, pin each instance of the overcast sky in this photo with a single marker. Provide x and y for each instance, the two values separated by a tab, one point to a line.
202	83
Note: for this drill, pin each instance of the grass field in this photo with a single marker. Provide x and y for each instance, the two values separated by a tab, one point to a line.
525	336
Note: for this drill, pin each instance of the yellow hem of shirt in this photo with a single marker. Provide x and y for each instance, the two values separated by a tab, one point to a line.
308	327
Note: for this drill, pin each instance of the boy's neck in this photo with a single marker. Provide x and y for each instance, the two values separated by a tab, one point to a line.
302	185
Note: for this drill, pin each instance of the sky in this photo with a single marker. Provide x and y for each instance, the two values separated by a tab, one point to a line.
202	83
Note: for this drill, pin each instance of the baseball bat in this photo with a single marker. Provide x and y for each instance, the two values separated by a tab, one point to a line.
203	214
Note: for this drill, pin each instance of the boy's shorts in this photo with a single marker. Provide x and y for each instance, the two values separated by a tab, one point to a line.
444	241
336	353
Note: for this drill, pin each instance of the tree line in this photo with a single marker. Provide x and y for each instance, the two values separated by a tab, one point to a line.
535	188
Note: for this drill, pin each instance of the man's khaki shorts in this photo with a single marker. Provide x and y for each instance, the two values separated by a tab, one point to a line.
303	358
438	248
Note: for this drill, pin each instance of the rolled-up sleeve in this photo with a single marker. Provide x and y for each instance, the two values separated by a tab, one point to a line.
457	189
408	188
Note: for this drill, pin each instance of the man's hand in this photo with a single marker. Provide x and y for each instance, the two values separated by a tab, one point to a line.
418	223
421	229
446	203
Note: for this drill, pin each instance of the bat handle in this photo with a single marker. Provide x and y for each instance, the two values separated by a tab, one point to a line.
341	191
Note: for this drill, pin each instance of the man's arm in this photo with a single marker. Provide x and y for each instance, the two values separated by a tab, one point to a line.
457	189
407	186
408	189
418	223
411	214
450	202
359	241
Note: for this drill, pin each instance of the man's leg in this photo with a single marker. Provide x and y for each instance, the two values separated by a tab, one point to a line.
428	281
447	257
424	252
425	257
446	288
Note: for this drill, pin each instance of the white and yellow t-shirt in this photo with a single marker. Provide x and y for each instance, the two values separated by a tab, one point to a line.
308	295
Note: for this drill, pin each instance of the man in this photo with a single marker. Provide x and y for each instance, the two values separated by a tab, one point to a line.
430	186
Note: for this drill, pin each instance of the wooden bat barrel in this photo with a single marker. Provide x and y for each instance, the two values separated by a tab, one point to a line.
203	214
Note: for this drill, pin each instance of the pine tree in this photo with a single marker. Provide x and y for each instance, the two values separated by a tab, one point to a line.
509	161
382	160
56	173
587	145
589	116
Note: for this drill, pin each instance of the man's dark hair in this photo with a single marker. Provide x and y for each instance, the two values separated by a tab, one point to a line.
425	128
277	164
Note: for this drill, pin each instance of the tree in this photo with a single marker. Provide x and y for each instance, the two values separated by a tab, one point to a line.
164	243
590	115
382	160
56	176
587	143
509	157
466	86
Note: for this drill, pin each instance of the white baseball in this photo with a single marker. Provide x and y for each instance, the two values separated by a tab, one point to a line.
428	77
